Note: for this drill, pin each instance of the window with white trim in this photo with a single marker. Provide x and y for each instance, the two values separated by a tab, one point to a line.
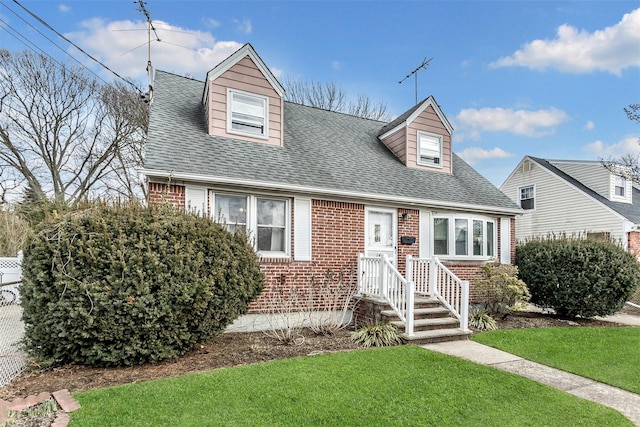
456	236
527	197
620	186
247	114
265	219
429	149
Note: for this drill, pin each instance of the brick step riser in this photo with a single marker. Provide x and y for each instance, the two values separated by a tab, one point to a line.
446	338
419	328
420	316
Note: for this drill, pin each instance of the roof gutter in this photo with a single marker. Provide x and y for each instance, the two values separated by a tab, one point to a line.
367	197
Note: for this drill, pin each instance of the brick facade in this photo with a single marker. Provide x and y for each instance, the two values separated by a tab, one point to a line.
633	243
338	230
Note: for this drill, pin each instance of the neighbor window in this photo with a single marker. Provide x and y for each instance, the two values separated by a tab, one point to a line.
467	237
620	185
265	220
527	197
429	149
247	114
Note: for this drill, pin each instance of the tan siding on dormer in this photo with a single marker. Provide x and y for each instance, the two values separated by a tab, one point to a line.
429	122
244	76
397	143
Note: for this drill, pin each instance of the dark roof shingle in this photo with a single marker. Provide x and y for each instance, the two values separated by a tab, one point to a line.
322	150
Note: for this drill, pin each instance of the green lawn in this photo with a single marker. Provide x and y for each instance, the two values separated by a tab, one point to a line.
609	355
404	385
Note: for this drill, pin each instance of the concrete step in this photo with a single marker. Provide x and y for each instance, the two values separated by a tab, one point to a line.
421	301
439	335
419	313
429	324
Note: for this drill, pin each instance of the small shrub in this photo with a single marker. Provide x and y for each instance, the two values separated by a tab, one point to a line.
116	285
481	320
378	335
577	277
501	290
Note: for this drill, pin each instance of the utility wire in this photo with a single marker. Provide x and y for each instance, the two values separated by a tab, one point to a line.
43	22
52	42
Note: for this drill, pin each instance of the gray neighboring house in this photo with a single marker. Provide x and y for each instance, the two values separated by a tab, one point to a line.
317	188
574	197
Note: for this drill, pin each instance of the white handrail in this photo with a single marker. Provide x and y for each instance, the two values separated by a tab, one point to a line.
433	278
378	276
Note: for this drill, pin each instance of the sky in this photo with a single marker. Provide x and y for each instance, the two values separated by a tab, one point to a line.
542	78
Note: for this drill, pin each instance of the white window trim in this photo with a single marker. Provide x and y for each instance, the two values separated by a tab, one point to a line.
615	196
264	99
431	135
252	220
519	197
452	240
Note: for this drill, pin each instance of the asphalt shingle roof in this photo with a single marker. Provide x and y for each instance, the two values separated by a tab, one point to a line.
631	211
322	150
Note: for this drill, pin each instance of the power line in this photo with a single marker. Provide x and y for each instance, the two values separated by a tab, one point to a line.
51	41
43	22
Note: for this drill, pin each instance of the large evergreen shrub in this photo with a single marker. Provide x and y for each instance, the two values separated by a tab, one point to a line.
577	277
123	285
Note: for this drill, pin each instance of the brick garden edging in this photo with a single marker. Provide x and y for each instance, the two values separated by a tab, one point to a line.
62	397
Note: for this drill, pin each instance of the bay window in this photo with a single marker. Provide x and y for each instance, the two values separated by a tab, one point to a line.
461	236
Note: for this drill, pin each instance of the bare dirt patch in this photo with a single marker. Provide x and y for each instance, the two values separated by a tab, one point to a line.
231	349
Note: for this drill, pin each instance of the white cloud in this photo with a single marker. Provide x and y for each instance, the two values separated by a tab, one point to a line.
472	122
629	145
63	8
277	72
472	155
211	23
336	65
243	26
578	51
124	49
589	125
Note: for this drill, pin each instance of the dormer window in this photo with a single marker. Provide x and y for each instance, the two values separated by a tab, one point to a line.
247	114
620	185
429	149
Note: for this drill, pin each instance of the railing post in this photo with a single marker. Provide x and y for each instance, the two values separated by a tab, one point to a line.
359	279
464	306
409	268
411	290
432	276
384	277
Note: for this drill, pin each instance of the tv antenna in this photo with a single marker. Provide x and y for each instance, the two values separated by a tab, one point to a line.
414	73
147	97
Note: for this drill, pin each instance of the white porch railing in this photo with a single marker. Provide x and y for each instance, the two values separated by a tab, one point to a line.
377	276
437	280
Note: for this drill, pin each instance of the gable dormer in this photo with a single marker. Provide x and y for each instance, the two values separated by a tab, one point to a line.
609	184
421	137
620	189
244	100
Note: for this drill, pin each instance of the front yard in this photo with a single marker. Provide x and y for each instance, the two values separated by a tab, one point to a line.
404	385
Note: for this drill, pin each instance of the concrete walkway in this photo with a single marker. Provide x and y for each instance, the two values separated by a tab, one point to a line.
621	400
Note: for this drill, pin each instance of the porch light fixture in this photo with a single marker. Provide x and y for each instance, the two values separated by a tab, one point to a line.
405	216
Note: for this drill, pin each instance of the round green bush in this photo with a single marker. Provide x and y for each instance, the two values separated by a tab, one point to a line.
117	285
577	277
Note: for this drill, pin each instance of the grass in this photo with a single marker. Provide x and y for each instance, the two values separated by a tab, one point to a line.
608	355
403	385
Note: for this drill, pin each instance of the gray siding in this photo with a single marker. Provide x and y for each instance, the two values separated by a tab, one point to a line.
559	207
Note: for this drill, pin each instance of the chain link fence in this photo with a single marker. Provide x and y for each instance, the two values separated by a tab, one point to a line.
12	360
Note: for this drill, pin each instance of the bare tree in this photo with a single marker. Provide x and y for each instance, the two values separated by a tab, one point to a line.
329	96
64	134
628	165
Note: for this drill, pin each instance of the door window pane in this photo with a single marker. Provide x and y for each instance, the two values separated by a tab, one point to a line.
232	212
461	232
380	229
271	215
441	236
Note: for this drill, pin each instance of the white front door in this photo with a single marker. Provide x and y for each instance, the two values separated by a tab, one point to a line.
380	232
